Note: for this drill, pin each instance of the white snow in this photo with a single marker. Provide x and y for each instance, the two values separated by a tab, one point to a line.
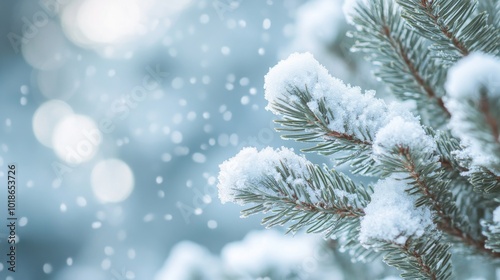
352	112
471	73
298	70
465	79
496	215
404	133
391	215
249	167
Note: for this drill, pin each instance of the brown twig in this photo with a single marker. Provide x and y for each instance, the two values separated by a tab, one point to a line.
347	137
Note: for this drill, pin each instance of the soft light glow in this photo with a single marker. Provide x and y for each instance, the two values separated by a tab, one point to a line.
112	181
76	139
46	118
107	21
115	28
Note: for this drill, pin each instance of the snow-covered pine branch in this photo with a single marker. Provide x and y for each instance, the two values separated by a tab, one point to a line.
404	149
322	200
425	199
394	225
401	57
294	190
316	107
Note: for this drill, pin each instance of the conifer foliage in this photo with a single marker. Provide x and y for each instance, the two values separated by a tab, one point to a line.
436	168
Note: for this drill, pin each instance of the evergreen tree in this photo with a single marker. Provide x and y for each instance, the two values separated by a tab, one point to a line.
436	167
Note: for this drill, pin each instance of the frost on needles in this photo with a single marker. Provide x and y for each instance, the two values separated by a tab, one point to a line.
437	187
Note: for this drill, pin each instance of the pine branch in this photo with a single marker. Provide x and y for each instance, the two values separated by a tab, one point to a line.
470	205
402	57
446	146
334	211
482	180
449	25
489	115
295	192
481	118
337	203
420	258
485	181
427	180
299	122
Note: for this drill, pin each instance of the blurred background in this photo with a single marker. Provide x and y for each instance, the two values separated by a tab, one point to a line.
118	113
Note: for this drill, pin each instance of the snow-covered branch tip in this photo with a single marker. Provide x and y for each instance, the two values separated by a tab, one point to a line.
285	175
295	189
317	107
300	85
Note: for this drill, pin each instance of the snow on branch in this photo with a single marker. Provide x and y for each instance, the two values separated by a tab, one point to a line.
296	191
391	215
316	107
249	167
403	149
404	134
344	109
473	87
393	224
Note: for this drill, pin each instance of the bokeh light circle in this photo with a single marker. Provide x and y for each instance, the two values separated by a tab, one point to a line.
46	118
76	139
112	181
